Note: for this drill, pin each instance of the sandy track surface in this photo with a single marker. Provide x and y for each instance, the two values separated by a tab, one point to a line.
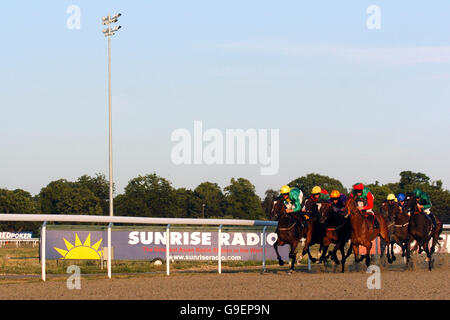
396	283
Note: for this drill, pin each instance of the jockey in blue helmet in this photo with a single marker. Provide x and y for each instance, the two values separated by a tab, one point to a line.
401	199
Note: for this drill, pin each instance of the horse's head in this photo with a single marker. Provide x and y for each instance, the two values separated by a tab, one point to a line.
277	209
410	205
311	206
389	209
350	207
384	208
324	212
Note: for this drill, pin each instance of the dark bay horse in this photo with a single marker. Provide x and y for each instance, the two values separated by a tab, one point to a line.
315	231
421	229
337	230
398	228
363	231
289	231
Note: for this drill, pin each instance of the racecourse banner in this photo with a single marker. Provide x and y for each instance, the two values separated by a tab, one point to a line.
150	245
15	235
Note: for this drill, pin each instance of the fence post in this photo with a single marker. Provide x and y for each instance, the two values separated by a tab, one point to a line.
309	263
167	249
264	249
109	250
43	233
376	250
219	245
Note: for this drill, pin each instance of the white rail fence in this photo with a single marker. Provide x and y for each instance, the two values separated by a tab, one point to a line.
18	242
136	220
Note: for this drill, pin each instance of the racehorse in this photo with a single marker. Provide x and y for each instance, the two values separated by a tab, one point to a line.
398	225
315	231
337	230
289	231
363	231
421	229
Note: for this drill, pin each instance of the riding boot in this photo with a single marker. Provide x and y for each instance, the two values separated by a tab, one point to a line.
376	225
303	219
432	219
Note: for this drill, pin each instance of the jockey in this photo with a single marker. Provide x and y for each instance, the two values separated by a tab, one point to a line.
319	195
364	199
401	199
391	198
292	199
337	201
424	204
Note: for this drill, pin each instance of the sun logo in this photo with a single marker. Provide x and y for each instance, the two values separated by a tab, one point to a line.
81	250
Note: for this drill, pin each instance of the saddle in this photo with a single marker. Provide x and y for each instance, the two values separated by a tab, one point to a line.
371	217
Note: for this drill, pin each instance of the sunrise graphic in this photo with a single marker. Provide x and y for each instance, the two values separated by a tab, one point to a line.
80	250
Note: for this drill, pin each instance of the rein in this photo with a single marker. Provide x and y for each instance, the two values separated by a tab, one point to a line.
337	228
398	225
288	228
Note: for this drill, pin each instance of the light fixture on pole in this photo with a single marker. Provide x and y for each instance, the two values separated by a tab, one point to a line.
109	32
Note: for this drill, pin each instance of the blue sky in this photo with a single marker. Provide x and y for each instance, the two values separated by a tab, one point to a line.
352	103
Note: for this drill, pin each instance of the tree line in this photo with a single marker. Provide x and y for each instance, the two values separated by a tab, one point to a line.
154	196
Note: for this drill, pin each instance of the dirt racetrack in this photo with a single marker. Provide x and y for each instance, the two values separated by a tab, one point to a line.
244	284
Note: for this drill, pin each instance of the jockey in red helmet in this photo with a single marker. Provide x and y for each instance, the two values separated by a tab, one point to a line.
364	198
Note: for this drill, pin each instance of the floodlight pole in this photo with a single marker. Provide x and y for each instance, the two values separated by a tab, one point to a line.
108	33
110	126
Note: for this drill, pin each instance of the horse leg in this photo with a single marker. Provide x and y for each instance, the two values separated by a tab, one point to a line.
392	251
385	235
334	257
323	257
408	253
427	250
306	247
356	253
344	257
280	261
292	255
382	247
367	255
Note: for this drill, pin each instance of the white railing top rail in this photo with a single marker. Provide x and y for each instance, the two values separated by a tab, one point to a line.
135	220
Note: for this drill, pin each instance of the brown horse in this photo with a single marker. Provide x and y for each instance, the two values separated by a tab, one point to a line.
398	225
289	231
363	231
421	229
338	231
315	231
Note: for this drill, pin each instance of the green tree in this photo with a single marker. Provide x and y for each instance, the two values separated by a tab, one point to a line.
270	195
411	178
211	195
65	197
380	193
18	201
306	183
188	205
242	202
99	186
148	196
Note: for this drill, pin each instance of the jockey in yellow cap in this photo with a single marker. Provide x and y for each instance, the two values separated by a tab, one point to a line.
292	199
